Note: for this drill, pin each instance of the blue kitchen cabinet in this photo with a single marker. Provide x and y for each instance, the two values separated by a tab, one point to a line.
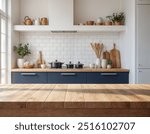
29	78
70	78
67	78
108	78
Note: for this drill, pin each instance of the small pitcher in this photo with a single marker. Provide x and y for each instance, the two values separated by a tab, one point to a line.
36	21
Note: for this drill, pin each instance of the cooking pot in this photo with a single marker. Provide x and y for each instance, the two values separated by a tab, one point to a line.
56	64
79	65
27	21
70	65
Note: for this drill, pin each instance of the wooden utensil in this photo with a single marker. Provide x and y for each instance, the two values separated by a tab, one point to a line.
101	49
40	60
97	47
106	55
115	57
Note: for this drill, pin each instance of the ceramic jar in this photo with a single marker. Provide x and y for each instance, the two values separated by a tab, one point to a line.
44	21
104	63
99	21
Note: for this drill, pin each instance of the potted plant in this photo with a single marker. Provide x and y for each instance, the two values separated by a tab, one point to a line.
117	18
22	51
109	64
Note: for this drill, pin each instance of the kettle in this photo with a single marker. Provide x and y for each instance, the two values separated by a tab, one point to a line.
27	20
44	21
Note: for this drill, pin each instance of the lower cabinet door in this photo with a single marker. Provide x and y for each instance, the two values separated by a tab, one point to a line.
67	78
108	78
29	78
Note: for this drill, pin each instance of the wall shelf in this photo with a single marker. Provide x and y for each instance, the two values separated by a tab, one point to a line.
24	28
100	28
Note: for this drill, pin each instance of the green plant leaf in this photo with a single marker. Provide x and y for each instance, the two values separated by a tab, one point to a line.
22	50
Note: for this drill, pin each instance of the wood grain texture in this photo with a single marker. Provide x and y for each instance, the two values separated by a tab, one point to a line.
56	98
74	100
99	112
106	55
71	70
115	57
74	97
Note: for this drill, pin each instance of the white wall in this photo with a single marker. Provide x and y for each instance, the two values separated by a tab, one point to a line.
33	9
128	38
68	47
82	11
98	8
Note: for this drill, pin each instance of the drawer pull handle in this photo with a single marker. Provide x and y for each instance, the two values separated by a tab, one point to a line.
109	74
28	74
68	74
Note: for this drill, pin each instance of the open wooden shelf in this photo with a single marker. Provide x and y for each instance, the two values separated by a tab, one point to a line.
24	28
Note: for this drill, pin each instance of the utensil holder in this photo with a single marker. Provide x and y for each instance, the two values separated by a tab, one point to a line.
98	63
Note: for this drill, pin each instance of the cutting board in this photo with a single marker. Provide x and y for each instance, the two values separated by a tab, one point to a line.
106	55
40	59
115	57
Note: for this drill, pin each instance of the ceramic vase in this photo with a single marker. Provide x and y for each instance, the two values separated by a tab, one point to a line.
20	63
104	63
98	63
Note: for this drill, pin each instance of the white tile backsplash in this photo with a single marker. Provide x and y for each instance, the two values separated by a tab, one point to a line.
67	47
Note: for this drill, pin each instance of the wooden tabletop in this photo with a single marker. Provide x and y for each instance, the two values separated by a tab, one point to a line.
74	97
70	70
75	93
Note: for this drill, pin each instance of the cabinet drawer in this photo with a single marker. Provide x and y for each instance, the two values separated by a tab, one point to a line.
108	78
30	78
64	78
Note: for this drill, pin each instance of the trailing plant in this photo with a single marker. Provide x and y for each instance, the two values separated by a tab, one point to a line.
22	50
